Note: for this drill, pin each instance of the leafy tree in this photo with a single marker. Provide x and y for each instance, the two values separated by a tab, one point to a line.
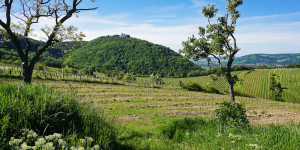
30	12
276	88
217	39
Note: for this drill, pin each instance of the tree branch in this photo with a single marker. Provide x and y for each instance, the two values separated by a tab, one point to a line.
219	60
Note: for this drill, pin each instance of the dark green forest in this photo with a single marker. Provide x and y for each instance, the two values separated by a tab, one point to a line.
130	55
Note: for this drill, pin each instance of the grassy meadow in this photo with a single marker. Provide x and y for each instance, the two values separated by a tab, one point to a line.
160	118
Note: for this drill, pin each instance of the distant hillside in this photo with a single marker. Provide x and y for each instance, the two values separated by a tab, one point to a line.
268	59
52	57
130	55
258	60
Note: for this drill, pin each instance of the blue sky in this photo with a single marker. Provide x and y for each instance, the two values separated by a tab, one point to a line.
266	26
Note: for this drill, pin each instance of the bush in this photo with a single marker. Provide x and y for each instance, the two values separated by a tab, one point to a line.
157	80
192	86
210	89
129	77
232	114
40	66
47	111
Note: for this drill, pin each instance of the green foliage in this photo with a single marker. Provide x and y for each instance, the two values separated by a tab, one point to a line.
217	40
47	111
86	71
40	66
193	86
68	69
232	114
177	129
275	88
129	77
157	80
130	55
198	133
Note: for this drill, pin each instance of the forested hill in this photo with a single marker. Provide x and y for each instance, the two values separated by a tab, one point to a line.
130	55
268	59
52	57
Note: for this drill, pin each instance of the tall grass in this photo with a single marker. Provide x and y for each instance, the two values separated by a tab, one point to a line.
208	134
47	111
198	133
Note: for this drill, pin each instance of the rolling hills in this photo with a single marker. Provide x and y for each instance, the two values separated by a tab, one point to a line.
269	59
130	55
259	60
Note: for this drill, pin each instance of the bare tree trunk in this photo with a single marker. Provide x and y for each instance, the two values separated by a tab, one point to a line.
27	75
28	71
229	79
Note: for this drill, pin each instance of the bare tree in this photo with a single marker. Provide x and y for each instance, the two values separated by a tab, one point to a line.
30	12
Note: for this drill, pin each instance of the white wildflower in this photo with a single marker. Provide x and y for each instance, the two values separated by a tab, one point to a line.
62	142
82	141
96	147
25	147
31	134
253	145
89	139
49	137
234	136
49	146
73	148
40	142
219	134
14	141
81	148
57	135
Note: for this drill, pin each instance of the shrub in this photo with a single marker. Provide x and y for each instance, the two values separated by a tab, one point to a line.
47	111
157	80
210	89
192	86
276	89
129	77
232	114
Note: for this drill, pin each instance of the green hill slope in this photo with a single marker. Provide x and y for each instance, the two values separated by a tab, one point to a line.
269	59
130	55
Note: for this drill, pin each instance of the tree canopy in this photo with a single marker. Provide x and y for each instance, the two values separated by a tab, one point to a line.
217	39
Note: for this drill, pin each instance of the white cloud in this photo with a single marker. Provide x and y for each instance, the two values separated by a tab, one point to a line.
201	3
171	36
283	29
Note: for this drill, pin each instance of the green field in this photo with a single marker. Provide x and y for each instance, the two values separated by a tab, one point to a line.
252	83
159	118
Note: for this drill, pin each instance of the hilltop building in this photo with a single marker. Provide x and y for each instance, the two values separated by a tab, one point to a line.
123	35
